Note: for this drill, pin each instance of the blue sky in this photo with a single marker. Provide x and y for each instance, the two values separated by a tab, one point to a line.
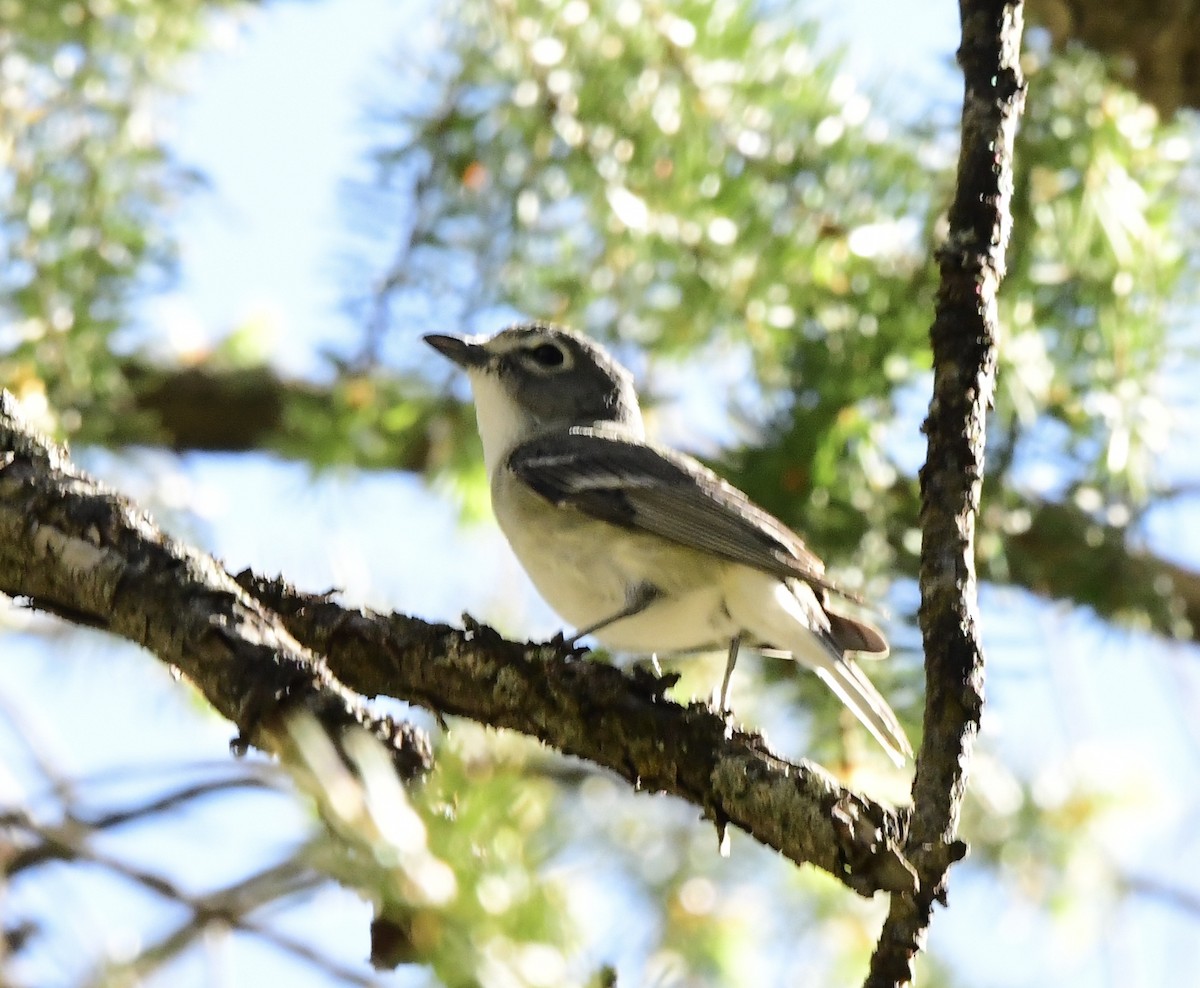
275	123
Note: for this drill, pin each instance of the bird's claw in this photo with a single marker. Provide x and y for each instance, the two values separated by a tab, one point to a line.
567	648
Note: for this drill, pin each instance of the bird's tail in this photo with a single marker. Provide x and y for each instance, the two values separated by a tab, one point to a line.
851	686
790	616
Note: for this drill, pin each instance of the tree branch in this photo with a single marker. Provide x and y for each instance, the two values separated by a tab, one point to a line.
1160	41
351	420
1066	554
78	550
617	720
177	406
963	337
233	905
74	548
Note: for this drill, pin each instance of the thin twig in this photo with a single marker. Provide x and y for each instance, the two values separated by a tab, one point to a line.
963	336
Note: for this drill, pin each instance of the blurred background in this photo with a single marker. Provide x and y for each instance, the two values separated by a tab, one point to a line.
225	227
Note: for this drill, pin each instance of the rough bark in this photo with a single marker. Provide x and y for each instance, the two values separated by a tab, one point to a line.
260	650
963	338
70	546
614	719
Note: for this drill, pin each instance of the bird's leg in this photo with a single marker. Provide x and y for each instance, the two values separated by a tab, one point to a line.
730	662
638	599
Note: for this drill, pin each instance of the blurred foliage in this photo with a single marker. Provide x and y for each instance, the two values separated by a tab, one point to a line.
85	181
87	186
626	170
458	876
1153	44
1095	272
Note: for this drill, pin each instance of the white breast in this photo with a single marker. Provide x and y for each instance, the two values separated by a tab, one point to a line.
587	569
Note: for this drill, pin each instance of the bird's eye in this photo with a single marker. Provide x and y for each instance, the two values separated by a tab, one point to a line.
548	355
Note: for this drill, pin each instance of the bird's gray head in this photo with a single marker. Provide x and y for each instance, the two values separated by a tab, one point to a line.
534	377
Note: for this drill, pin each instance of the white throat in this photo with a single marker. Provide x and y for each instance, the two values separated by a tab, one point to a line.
502	422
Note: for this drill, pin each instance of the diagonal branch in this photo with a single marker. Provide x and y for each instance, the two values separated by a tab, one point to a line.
617	720
259	650
72	547
963	336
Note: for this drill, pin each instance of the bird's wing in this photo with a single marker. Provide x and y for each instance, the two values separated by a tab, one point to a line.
647	488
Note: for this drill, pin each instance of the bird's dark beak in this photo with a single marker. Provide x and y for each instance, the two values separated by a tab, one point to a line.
462	350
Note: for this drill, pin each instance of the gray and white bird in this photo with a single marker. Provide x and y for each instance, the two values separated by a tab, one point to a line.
638	545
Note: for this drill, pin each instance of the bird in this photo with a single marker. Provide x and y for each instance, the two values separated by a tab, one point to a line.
638	545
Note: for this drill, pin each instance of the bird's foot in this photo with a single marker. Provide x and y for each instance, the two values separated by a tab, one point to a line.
648	676
567	648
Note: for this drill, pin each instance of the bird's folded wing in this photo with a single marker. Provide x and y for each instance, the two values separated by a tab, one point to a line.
651	489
